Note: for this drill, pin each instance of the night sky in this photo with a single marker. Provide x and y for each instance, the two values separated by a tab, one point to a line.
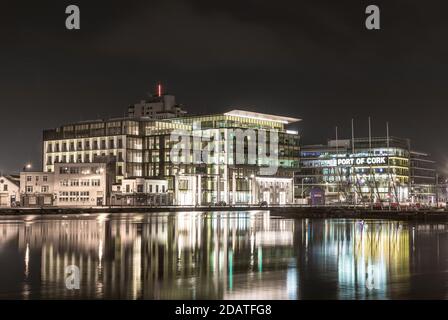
309	59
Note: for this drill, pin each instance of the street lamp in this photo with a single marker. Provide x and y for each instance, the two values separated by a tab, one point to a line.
27	167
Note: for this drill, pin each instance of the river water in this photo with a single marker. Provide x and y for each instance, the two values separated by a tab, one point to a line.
220	255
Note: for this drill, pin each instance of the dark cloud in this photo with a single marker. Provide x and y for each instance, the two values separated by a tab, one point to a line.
177	35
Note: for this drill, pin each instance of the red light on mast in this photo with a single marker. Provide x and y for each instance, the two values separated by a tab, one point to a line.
159	90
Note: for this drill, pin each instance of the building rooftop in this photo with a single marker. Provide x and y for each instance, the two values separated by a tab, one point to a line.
361	143
15	179
262	116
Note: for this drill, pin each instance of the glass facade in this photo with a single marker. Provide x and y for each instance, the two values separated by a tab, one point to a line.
424	187
364	172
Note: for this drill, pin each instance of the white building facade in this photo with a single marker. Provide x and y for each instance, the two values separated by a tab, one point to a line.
9	190
82	184
70	185
36	189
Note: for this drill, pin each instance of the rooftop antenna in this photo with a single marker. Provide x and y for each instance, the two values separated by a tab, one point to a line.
337	168
353	137
371	174
372	170
356	181
388	163
391	178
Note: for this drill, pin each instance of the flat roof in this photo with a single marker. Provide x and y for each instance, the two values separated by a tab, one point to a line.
262	116
235	112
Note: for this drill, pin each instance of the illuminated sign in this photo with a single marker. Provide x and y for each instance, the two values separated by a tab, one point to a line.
345	162
362	161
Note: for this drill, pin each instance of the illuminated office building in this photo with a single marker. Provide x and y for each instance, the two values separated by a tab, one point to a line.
380	170
232	177
142	144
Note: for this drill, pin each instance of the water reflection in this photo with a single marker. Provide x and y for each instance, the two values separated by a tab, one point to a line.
234	255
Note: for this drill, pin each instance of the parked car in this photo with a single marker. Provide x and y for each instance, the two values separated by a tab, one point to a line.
220	204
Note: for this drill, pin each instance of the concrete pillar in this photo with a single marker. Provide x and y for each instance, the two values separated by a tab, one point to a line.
254	197
193	190
292	190
199	189
226	185
218	187
233	187
252	191
176	191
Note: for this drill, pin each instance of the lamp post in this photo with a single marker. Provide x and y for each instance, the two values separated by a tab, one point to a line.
27	166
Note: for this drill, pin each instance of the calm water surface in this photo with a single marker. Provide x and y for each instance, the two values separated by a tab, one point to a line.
235	255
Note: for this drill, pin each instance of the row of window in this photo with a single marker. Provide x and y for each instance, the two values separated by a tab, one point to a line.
80	158
74	196
37	178
95	145
138	143
82	170
74	199
43	189
278	184
397	152
140	188
80	183
74	193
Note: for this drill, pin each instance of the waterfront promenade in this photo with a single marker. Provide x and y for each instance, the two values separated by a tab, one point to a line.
284	211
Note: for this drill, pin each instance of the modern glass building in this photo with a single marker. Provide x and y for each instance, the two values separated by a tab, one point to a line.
424	185
232	176
362	171
142	147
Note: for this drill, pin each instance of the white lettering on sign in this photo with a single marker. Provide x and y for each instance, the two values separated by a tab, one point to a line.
361	161
376	160
346	162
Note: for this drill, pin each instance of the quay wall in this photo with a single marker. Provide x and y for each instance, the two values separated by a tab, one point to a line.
289	212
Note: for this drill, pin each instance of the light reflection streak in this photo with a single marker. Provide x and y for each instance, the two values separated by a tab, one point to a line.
27	260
